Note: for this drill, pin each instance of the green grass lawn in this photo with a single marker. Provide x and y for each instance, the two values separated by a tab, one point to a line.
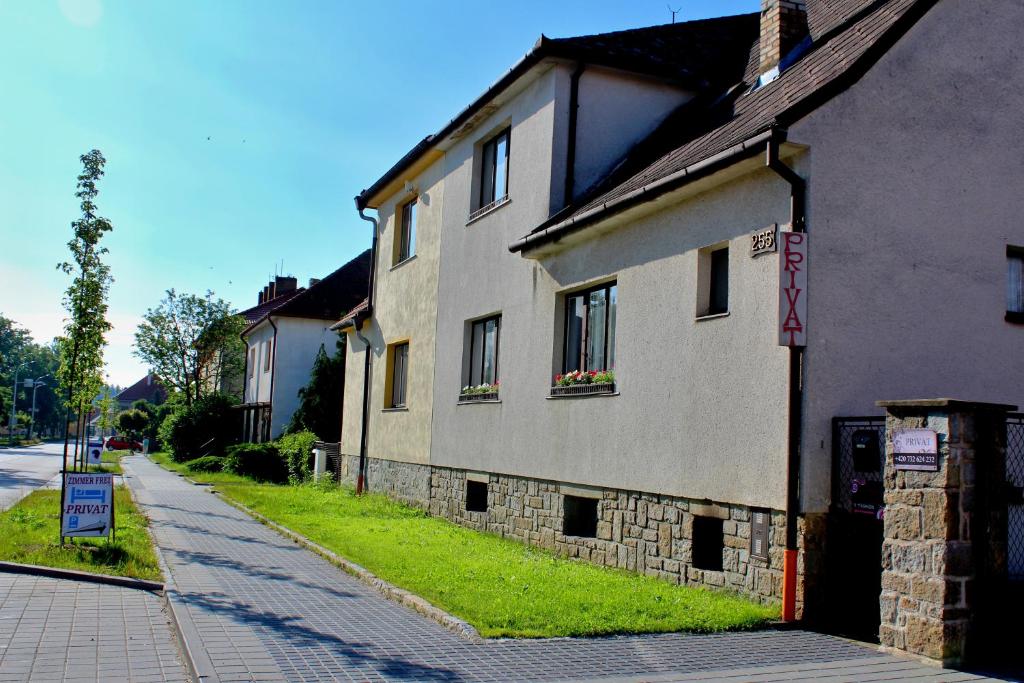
502	587
29	531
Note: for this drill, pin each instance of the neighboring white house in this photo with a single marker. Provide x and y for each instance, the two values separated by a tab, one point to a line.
285	333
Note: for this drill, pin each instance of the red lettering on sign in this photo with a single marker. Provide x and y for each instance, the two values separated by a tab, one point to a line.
793	284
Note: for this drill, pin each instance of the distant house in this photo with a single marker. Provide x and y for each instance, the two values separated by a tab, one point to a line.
284	335
148	388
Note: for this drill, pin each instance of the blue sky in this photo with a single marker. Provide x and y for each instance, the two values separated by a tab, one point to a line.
236	133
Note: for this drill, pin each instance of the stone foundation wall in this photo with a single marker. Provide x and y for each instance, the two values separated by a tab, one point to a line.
404	481
642	532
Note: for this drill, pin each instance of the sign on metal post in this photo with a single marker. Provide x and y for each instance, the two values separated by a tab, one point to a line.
88	508
94	454
793	289
915	450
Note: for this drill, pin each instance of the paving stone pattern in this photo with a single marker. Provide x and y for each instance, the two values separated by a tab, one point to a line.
61	630
266	609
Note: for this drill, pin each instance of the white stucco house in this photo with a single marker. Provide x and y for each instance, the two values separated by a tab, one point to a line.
286	331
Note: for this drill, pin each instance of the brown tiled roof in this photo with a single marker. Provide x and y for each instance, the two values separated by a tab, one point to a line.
851	36
329	298
257	313
696	54
352	315
149	388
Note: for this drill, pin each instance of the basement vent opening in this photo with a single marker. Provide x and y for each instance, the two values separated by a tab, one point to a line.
476	496
708	542
580	516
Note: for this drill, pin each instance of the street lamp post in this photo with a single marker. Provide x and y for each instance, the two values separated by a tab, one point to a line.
14	406
35	385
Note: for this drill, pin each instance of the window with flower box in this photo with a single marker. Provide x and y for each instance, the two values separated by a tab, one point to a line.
482	379
589	354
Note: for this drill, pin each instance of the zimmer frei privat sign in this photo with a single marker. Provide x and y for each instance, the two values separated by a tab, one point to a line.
88	507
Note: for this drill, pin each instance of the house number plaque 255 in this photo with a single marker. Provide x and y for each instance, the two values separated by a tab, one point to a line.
763	241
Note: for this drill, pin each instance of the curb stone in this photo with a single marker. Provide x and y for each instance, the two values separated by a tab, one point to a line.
197	662
388	590
76	575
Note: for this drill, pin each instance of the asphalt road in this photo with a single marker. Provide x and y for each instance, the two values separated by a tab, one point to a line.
23	470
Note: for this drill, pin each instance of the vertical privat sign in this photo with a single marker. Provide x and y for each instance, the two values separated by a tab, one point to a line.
793	289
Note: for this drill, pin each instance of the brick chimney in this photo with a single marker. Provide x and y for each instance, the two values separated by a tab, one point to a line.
261	299
783	26
284	285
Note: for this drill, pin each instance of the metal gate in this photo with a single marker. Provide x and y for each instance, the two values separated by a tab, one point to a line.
1015	482
855	532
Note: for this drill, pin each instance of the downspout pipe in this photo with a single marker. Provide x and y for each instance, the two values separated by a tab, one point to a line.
366	315
797	213
570	146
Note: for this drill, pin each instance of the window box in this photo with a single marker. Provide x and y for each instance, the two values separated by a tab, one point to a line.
579	383
583	389
481	392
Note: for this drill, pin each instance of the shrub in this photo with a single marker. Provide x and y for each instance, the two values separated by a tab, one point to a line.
209	425
297	451
259	461
207	463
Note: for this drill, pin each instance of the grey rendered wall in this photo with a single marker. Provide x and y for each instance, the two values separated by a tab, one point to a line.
616	110
701	410
916	187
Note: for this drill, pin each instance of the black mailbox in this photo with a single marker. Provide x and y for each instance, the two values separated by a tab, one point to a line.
866	456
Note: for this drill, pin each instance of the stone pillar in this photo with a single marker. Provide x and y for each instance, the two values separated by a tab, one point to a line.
944	548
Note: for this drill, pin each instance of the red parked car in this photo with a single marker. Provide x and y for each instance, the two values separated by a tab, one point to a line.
117	443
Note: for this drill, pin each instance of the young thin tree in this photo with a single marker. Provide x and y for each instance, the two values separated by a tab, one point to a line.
175	337
81	348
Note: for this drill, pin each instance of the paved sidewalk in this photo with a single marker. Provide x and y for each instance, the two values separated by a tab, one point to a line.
266	609
61	630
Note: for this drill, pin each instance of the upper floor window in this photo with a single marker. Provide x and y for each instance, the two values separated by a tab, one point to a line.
405	239
266	356
252	361
398	375
1015	284
590	329
483	351
494	169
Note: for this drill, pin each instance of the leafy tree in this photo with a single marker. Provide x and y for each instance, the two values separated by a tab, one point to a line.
107	412
33	361
81	347
319	408
222	355
132	422
179	334
207	427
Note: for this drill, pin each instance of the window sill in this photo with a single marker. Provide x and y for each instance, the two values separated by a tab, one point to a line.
711	316
487	209
1015	317
397	409
402	263
476	401
583	391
